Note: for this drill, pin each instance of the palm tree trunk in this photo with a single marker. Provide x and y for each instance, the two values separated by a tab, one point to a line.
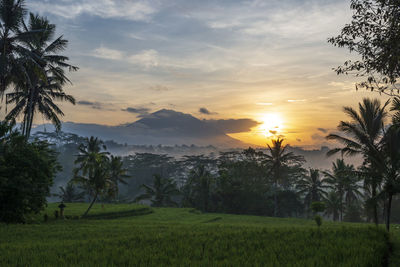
341	210
276	199
24	124
376	220
30	123
30	114
31	109
90	206
3	71
385	207
388	211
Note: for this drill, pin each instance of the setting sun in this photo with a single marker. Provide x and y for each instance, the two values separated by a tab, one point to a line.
272	124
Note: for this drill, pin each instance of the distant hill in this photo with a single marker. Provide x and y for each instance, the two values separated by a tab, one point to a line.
317	158
166	127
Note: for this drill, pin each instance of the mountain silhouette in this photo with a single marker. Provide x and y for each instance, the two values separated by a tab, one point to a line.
166	127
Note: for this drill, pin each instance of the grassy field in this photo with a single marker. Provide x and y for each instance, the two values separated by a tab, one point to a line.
138	235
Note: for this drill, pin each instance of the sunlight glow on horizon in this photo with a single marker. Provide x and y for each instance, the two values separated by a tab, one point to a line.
272	125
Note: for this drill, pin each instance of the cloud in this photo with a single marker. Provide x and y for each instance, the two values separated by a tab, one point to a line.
140	111
233	125
264	104
148	58
159	88
71	9
107	53
343	86
296	100
205	111
94	105
323	130
317	137
280	19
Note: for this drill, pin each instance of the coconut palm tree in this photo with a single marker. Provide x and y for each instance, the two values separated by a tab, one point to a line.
279	160
361	135
161	192
89	151
312	187
344	182
396	108
333	205
13	55
97	181
70	194
93	171
388	163
117	174
38	93
198	189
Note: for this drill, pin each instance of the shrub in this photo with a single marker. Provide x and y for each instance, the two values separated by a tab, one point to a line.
26	174
318	220
318	206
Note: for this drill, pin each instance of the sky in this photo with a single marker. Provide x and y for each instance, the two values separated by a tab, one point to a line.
268	61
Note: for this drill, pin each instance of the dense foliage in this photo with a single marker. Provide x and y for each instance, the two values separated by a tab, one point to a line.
26	174
374	34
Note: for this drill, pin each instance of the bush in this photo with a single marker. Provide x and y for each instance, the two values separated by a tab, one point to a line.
318	220
26	174
318	206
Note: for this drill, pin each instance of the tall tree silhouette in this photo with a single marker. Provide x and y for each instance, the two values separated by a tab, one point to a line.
343	180
312	187
118	174
13	55
333	204
69	193
198	189
46	76
93	171
279	160
361	135
160	193
388	163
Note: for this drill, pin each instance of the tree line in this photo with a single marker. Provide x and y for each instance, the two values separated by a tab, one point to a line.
275	182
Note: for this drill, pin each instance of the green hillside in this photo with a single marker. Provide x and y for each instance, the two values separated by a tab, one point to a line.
137	235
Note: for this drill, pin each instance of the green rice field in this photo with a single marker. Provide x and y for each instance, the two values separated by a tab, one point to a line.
134	235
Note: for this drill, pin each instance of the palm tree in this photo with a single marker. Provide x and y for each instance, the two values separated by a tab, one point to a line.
70	194
117	174
312	187
279	160
89	152
362	135
13	55
199	187
333	204
93	171
396	108
38	93
344	182
388	162
161	192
